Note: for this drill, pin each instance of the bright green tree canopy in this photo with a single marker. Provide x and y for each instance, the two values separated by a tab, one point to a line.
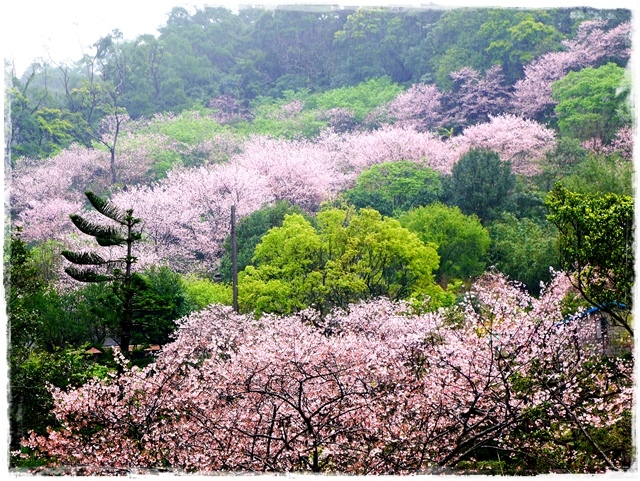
593	103
351	256
462	241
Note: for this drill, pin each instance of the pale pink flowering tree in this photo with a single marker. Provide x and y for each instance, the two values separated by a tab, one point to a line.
595	45
520	141
420	107
294	170
41	191
340	119
356	151
532	94
228	109
377	390
621	144
186	216
476	98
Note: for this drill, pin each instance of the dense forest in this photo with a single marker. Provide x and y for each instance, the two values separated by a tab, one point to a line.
364	241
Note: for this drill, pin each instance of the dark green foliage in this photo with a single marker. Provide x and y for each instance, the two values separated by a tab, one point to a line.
526	200
596	244
30	399
560	162
123	283
524	250
161	302
249	232
393	187
480	184
23	285
483	37
42	327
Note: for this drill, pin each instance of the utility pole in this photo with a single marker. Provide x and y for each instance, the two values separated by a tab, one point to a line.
234	259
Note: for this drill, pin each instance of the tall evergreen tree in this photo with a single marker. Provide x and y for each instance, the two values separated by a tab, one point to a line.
125	284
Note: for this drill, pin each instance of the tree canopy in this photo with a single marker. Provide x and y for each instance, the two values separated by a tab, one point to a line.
596	233
349	257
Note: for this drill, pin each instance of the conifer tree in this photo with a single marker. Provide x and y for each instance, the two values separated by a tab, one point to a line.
125	284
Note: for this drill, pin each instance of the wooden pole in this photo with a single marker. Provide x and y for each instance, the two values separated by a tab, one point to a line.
234	259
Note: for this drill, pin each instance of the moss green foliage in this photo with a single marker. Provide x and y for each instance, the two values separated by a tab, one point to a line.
190	127
361	98
392	187
524	250
462	242
601	174
351	256
302	114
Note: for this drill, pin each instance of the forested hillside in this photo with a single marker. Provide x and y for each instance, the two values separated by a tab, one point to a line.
370	241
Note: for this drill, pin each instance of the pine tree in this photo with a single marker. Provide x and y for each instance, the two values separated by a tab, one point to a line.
125	284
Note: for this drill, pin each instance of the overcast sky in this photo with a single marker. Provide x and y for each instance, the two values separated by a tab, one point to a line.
63	29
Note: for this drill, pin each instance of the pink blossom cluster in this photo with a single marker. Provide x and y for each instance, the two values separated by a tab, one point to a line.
420	107
517	140
356	151
477	98
622	144
44	192
375	390
288	110
228	109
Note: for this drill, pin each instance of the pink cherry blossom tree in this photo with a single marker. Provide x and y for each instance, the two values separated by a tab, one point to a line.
517	140
420	107
375	390
622	144
475	98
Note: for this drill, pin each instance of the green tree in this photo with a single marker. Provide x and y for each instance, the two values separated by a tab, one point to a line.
480	184
286	276
524	250
482	37
162	301
374	42
40	127
593	102
31	380
395	186
42	331
517	37
249	232
351	256
595	242
601	174
125	285
463	243
202	292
